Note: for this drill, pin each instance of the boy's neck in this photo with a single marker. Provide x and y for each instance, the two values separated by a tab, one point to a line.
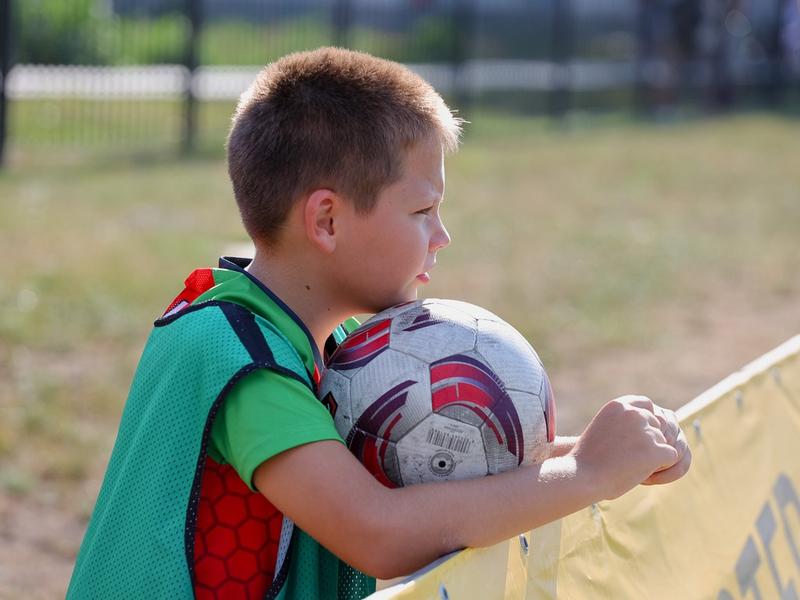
295	286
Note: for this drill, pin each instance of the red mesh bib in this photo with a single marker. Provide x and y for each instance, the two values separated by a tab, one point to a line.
236	538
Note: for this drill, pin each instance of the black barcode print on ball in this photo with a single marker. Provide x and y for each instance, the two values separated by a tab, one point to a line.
451	441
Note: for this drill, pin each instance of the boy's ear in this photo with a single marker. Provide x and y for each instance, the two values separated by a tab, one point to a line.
321	209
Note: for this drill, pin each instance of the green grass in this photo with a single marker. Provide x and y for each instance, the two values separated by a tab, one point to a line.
591	242
49	132
601	228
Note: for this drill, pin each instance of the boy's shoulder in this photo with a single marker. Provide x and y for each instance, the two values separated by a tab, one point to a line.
270	331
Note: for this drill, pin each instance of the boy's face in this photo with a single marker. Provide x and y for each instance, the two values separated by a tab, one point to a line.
388	252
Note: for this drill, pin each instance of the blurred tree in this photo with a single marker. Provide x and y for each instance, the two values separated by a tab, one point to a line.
58	32
432	40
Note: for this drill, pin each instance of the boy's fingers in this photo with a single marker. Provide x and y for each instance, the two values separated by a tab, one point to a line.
668	421
641	402
667	417
663	418
669	424
653	421
673	473
671	456
681	445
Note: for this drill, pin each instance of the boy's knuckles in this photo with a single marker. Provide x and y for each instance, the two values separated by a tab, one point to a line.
658	436
669	429
641	401
640	417
654	421
613	407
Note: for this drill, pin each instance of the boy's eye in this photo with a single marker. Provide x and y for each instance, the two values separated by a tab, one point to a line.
425	211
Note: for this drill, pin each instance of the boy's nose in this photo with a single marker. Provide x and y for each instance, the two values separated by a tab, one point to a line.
440	238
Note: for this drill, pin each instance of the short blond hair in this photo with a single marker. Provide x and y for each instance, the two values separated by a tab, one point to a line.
328	118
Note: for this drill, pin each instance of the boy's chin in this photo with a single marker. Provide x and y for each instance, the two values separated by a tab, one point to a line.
390	301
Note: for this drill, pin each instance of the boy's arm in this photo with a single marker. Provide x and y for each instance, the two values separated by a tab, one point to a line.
386	533
563	445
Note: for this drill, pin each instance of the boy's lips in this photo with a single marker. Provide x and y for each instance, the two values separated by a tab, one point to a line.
425	277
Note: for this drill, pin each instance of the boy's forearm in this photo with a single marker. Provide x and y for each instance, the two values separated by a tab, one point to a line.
390	532
481	512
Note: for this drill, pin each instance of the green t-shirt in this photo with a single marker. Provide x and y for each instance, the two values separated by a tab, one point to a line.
266	413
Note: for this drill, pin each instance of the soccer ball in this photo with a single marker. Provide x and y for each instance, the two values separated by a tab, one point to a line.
435	390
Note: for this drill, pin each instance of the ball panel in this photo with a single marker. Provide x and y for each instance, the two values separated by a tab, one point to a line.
398	384
389	313
377	454
548	400
476	312
510	355
362	346
466	381
498	458
461	413
534	425
334	392
432	330
440	448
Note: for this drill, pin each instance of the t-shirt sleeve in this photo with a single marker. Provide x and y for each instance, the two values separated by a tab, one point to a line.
264	414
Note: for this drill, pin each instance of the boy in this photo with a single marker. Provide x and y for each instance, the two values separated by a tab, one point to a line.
228	478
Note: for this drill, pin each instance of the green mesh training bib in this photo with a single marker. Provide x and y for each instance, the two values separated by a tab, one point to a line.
140	541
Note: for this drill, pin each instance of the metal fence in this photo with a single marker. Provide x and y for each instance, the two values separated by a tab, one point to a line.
165	74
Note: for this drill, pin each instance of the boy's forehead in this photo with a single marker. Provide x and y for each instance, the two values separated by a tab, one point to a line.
425	185
424	163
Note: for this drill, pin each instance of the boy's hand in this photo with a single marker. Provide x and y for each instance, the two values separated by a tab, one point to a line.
627	444
677	439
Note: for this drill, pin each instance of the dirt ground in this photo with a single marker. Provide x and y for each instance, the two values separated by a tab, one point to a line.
40	539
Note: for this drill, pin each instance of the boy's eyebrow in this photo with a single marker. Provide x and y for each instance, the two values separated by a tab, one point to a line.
435	196
434	199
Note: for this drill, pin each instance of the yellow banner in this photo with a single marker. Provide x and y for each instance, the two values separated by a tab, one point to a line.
729	529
